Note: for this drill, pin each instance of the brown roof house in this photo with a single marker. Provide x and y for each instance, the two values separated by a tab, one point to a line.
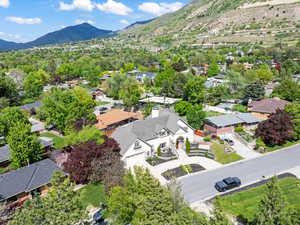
114	118
265	107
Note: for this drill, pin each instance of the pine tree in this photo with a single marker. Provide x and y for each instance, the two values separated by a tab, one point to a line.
272	207
218	216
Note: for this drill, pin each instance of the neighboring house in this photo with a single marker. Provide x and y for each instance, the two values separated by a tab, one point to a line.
141	76
46	142
216	81
160	100
141	139
265	107
32	107
114	118
219	125
18	185
37	127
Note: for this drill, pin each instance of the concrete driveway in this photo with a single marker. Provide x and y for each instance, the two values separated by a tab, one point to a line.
200	187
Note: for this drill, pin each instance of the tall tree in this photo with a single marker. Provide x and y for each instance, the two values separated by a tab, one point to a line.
24	147
8	88
130	93
34	83
276	130
288	90
194	90
218	216
63	108
9	117
254	91
79	162
272	209
294	111
195	116
61	206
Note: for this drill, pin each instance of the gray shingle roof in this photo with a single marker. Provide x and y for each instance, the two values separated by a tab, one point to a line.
145	130
232	119
27	178
4	153
31	106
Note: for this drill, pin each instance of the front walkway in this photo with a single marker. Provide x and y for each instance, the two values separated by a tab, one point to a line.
242	149
183	159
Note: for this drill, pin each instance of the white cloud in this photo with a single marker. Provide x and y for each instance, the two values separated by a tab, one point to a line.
86	5
2	33
159	9
125	22
16	37
79	21
21	20
4	3
114	7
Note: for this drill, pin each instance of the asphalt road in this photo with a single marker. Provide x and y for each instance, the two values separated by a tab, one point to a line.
200	186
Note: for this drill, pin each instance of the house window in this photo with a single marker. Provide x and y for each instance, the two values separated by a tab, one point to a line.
163	133
137	145
163	145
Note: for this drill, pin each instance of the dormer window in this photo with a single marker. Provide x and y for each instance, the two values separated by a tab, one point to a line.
163	133
137	145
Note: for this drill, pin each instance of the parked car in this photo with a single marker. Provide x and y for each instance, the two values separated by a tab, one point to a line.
229	141
228	183
97	216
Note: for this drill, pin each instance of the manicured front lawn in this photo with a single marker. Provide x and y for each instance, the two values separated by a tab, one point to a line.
101	103
58	141
92	194
223	157
288	144
245	203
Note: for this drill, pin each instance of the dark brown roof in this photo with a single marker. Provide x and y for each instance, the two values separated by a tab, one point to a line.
268	105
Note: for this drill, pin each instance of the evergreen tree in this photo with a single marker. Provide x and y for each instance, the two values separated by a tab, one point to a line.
272	207
218	216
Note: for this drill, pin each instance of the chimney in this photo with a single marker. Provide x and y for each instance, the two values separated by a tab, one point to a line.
155	112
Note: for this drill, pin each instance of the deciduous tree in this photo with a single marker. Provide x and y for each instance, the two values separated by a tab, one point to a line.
61	206
195	116
276	130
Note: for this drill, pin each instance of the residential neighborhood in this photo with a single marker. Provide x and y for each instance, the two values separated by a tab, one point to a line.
189	117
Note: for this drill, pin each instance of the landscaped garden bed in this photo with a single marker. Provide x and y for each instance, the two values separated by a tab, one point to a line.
182	171
154	161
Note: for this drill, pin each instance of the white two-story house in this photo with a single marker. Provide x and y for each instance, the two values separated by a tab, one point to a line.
140	139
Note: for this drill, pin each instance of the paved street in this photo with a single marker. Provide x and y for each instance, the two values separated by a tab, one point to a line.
201	186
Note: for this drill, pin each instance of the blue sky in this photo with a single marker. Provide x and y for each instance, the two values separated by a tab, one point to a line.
25	20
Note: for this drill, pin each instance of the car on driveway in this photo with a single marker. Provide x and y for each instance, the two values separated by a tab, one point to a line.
228	183
229	141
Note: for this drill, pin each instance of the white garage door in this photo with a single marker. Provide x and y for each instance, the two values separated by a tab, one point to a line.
135	160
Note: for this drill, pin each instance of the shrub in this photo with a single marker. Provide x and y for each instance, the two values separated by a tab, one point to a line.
158	151
187	146
239	129
207	138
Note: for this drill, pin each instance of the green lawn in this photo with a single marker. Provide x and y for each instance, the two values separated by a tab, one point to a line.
223	157
245	203
288	144
58	141
101	103
92	194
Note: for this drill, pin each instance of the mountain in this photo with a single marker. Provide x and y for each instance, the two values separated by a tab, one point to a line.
223	21
138	23
75	33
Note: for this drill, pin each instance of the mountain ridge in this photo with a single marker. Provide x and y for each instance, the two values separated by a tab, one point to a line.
80	32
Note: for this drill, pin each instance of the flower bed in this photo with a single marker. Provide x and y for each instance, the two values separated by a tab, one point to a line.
182	171
154	161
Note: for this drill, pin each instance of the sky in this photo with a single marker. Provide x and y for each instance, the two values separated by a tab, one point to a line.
26	20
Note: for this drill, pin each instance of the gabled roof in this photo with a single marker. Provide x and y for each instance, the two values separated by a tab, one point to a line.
112	117
146	130
5	152
233	119
26	178
268	105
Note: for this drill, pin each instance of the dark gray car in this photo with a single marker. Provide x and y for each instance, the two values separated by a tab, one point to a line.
228	183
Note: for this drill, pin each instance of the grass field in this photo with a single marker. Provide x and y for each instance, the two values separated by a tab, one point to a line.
223	157
92	194
246	203
58	141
